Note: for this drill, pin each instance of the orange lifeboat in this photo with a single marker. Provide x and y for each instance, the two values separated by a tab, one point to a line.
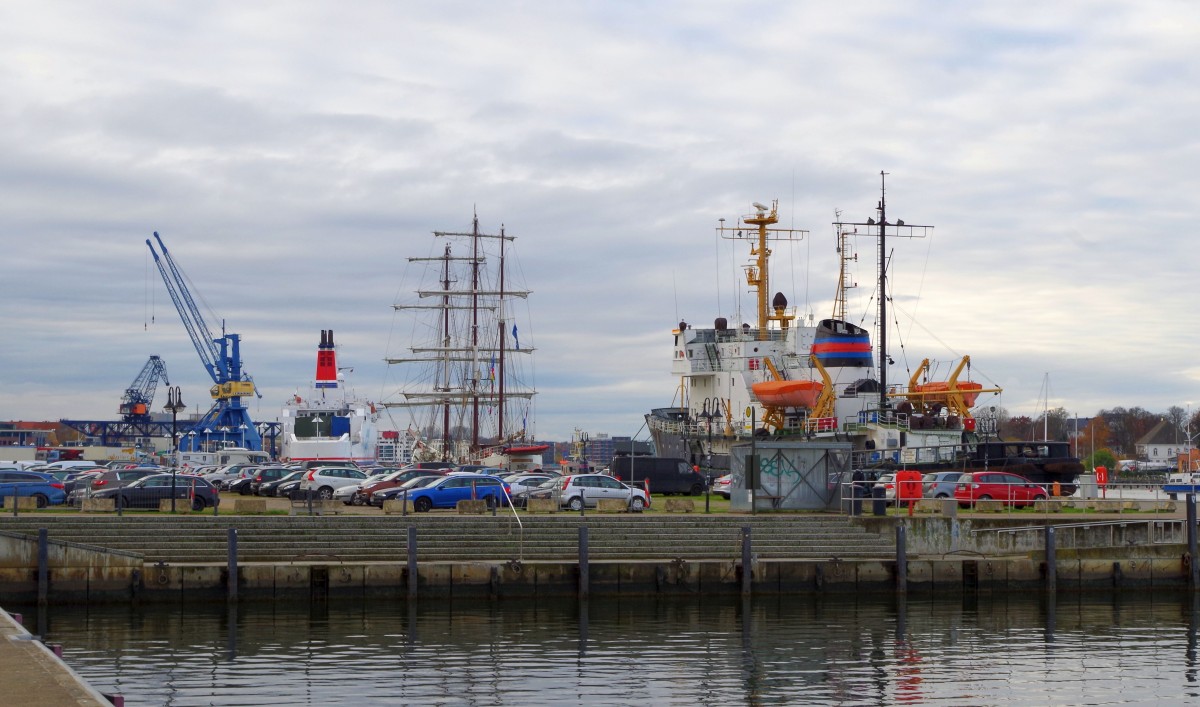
939	392
788	394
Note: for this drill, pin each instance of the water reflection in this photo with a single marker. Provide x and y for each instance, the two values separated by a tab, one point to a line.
1095	649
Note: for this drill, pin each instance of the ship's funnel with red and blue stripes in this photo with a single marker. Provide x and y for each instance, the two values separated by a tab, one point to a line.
840	344
326	361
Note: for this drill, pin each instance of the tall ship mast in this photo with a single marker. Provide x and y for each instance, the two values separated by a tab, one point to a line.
784	379
467	390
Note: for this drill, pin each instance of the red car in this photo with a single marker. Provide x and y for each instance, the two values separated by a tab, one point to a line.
993	485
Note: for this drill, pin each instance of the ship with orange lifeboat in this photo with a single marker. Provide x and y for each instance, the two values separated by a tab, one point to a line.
792	377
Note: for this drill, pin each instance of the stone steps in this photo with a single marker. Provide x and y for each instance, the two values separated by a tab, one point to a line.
451	538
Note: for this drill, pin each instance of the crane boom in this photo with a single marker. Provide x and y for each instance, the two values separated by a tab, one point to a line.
193	320
228	419
135	405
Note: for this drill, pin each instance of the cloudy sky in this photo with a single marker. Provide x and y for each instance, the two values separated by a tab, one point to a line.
293	155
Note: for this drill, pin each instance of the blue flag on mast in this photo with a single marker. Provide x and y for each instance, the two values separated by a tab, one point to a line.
516	341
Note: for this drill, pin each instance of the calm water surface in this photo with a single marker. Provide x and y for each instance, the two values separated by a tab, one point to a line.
1078	650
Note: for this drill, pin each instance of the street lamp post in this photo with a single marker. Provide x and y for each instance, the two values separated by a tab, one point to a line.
173	406
242	427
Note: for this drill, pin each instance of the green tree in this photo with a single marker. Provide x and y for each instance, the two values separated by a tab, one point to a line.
1102	457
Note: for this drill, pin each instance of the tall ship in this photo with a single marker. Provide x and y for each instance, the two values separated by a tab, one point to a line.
466	385
328	422
803	379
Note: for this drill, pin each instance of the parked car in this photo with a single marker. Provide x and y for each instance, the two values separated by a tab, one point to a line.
447	491
45	488
265	474
940	484
402	477
84	478
85	488
722	485
290	487
272	487
665	474
519	483
993	485
520	499
225	473
887	482
324	480
586	490
147	491
394	492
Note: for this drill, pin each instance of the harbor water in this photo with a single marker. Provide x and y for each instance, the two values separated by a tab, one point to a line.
1077	649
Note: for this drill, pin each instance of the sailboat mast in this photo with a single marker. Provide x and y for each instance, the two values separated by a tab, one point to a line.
883	354
446	355
474	374
500	416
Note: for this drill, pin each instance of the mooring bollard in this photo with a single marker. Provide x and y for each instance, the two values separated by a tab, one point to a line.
43	565
901	559
584	577
1051	562
747	561
232	567
412	557
1193	567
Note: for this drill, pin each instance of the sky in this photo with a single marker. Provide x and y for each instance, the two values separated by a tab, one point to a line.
293	155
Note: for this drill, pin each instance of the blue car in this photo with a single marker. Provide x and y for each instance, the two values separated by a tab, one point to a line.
44	487
447	491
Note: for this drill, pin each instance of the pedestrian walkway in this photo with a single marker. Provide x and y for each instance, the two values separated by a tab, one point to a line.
33	676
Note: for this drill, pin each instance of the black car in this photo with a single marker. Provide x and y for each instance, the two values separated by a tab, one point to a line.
147	492
264	475
276	486
88	486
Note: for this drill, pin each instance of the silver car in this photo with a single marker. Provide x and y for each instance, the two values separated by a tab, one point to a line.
576	492
324	480
939	484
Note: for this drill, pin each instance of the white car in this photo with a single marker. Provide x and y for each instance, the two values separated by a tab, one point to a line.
519	483
722	484
345	494
576	492
324	480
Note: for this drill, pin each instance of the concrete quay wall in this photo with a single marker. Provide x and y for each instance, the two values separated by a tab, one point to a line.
267	581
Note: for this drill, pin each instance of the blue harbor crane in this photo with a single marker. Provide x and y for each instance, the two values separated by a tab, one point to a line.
228	422
135	405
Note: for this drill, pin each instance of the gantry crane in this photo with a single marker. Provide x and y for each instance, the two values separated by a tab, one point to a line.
139	396
228	422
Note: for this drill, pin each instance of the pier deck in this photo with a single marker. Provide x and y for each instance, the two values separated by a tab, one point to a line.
35	676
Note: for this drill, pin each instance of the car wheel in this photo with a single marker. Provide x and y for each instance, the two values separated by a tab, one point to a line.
1039	497
325	493
575	504
423	504
942	495
198	504
697	490
984	497
244	491
42	501
637	504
